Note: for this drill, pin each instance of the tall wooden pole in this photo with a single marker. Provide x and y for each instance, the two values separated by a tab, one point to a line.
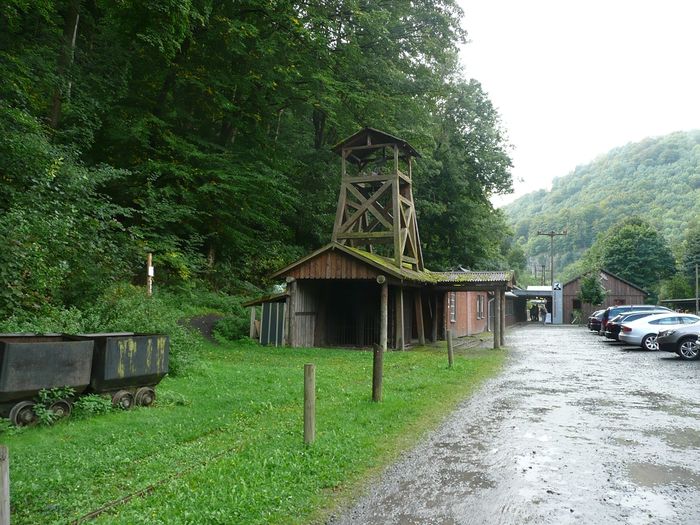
503	316
149	274
551	235
697	309
418	300
434	335
377	373
4	486
497	321
309	403
399	318
450	349
384	315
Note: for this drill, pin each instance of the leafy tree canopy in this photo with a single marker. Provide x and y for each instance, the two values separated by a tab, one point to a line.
201	131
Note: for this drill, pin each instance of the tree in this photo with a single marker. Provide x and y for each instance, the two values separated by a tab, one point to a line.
635	251
592	292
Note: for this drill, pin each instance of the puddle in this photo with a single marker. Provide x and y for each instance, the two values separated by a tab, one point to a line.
652	475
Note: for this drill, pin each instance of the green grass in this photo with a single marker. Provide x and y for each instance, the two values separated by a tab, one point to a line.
225	444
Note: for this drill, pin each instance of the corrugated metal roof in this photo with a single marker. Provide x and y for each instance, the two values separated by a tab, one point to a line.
473	276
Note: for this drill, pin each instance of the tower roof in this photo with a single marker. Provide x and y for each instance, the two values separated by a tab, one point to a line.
372	137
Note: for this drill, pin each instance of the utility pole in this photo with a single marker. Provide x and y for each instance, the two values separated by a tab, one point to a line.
697	310
551	235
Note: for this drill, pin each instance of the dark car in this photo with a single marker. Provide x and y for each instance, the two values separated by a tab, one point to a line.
612	330
612	311
682	340
594	320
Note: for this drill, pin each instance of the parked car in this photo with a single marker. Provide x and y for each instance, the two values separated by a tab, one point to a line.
612	330
612	311
594	320
682	340
644	331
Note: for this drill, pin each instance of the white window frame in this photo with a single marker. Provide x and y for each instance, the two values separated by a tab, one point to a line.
452	304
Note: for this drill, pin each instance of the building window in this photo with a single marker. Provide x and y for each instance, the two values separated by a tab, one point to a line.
452	304
479	306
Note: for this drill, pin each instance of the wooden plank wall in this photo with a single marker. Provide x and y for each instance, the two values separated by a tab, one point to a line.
306	310
333	265
619	292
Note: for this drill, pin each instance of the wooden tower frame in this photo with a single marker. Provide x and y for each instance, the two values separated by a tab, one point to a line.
375	204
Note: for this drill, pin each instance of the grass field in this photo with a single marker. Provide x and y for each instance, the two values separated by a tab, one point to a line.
225	445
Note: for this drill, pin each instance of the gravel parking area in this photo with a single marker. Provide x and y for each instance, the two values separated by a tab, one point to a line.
575	430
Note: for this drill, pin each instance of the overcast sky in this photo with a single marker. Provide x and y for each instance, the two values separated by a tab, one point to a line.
573	79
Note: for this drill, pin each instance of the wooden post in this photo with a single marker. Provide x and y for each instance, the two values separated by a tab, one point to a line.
418	299
149	274
252	322
292	335
4	486
309	403
450	349
434	335
503	317
399	318
497	321
377	373
384	314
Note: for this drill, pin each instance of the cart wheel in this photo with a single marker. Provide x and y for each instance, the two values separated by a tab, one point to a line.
145	396
22	414
61	408
123	399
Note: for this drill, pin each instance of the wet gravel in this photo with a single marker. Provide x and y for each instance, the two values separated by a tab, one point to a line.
575	430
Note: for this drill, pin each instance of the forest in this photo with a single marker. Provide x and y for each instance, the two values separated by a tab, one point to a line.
201	131
649	190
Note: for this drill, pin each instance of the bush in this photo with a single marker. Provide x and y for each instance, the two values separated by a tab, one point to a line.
91	405
232	327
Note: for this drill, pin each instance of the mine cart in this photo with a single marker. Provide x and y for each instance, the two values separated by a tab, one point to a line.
128	366
30	363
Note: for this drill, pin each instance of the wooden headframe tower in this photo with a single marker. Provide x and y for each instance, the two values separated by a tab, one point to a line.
375	206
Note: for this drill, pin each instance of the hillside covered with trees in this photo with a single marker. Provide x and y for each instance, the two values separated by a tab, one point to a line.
653	185
201	131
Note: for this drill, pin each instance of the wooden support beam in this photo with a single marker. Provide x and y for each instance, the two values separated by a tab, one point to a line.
384	314
292	334
252	322
354	179
4	486
434	334
399	318
369	235
502	291
497	321
395	194
418	299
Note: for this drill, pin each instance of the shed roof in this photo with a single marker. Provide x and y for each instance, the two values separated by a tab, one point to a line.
614	277
370	136
387	266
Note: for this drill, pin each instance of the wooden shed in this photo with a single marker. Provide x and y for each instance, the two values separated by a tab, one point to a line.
344	296
619	291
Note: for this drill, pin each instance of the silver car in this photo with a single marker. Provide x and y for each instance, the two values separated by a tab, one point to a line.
682	340
643	332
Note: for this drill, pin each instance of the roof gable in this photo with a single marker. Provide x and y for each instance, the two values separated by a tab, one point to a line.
606	272
328	263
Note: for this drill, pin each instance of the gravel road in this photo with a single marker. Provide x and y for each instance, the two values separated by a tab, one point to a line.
575	430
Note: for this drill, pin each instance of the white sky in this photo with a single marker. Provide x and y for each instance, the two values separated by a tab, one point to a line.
573	79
